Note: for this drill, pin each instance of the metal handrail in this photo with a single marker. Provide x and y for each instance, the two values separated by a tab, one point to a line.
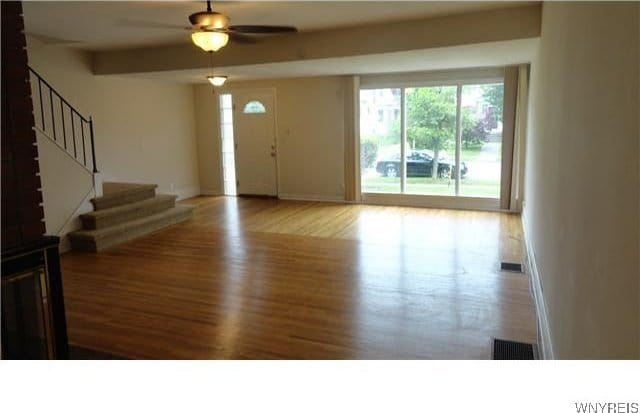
50	114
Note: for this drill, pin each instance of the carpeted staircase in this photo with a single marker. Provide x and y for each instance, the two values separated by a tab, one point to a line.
125	212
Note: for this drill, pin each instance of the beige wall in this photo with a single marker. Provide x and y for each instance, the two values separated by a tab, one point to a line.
65	185
208	138
310	116
144	130
582	177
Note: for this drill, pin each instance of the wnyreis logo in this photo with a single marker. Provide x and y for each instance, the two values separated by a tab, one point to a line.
606	407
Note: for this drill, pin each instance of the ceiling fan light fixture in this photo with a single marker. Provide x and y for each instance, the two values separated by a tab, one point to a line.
210	41
209	20
217	80
218	21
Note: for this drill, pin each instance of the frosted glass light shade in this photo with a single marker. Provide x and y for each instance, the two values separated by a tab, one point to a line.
217	80
210	41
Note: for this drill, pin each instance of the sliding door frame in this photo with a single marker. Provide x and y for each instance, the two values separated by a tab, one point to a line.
402	81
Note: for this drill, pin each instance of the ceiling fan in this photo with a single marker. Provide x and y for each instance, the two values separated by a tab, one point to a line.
211	30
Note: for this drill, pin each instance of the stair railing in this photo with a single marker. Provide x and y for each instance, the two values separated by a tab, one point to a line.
63	124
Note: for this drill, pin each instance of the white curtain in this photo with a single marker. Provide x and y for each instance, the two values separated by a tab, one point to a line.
519	136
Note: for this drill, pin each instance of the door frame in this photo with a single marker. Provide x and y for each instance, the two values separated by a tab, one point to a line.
231	90
218	97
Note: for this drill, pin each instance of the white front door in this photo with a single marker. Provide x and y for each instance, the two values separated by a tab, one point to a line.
254	121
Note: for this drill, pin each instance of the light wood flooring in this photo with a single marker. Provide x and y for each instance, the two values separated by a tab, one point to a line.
262	278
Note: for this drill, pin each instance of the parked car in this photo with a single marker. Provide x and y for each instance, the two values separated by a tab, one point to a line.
419	164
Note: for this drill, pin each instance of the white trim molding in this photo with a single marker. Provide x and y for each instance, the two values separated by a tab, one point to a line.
545	344
432	201
432	78
313	198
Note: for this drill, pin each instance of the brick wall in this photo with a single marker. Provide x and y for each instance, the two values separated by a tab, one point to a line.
22	214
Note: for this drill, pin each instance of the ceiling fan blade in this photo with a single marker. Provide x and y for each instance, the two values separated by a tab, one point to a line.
144	24
241	38
251	29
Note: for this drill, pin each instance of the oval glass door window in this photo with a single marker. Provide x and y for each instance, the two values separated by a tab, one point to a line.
254	107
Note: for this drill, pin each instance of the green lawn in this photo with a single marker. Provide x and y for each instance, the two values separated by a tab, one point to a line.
430	186
470	154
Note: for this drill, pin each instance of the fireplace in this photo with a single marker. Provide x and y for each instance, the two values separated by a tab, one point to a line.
32	313
33	319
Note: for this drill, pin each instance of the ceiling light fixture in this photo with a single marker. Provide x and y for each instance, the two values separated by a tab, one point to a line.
217	80
210	41
211	30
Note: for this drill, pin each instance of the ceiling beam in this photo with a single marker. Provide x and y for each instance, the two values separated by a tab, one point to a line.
462	29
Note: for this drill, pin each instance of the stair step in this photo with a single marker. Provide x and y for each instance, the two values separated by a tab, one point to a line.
116	194
116	215
99	239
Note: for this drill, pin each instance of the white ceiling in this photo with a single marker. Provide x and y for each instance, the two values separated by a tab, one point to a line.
105	25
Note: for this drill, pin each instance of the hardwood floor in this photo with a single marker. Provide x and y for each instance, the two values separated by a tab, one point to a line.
261	278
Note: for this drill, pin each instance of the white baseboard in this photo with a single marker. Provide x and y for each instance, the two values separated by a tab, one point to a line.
288	197
314	198
545	344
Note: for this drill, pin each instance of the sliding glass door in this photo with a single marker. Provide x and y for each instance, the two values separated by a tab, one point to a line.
435	140
481	140
430	140
380	140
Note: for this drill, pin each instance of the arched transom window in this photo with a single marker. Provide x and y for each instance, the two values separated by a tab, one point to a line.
254	106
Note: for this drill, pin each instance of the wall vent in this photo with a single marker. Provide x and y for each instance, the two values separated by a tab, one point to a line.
513	350
511	266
